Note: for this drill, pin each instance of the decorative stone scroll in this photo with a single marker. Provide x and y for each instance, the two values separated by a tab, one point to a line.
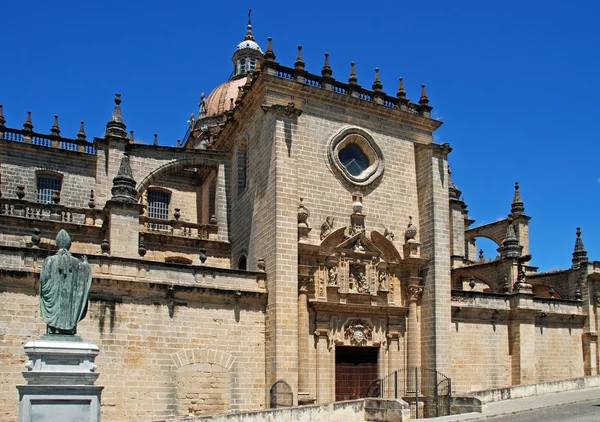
414	292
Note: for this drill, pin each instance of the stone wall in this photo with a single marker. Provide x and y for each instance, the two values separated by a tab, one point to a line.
555	343
480	355
189	349
20	162
499	341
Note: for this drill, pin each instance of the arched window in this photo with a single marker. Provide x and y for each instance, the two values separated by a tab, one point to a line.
47	183
242	263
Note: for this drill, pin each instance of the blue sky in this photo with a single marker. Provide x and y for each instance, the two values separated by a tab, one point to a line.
515	83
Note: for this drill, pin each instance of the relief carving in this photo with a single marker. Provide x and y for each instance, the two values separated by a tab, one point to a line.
358	332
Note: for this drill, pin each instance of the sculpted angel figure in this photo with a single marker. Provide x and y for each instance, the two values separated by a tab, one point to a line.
327	227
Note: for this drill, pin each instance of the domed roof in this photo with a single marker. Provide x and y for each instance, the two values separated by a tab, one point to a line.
251	44
219	99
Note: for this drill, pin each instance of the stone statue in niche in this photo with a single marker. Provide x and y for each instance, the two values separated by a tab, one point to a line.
333	275
327	227
65	283
382	280
357	281
321	287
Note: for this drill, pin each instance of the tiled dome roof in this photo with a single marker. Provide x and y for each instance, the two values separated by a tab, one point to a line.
249	44
219	99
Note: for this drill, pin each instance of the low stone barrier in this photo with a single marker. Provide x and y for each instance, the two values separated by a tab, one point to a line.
375	410
475	401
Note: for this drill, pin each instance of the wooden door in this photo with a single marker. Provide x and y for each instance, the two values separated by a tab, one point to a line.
355	369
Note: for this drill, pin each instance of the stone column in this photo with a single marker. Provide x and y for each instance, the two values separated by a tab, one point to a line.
413	333
325	369
303	333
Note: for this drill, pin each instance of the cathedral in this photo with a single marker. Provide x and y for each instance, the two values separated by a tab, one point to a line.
303	244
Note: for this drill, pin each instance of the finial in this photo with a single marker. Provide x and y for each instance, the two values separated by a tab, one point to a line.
2	121
123	189
352	80
326	70
81	133
155	143
510	244
28	126
179	143
423	100
517	196
411	231
115	126
453	191
269	54
231	104
401	93
55	130
517	207
299	63
377	85
579	253
131	138
249	35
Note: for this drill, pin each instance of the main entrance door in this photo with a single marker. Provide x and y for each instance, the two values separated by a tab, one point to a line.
355	369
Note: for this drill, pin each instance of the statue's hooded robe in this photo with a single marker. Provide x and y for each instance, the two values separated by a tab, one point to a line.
64	287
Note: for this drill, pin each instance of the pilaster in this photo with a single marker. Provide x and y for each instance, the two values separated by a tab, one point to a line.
222	204
282	268
432	185
522	339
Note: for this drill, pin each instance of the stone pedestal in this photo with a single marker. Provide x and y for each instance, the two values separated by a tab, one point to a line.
60	381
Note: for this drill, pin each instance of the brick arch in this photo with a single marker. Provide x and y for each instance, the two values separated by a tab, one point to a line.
174	167
211	356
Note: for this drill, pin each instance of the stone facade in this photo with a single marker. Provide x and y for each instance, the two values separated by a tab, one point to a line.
305	232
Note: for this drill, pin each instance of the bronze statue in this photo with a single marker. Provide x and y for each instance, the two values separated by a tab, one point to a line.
64	287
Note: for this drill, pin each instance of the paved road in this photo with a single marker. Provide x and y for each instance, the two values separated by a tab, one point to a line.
585	411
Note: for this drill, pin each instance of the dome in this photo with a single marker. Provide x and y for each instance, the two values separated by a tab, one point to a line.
251	44
219	99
